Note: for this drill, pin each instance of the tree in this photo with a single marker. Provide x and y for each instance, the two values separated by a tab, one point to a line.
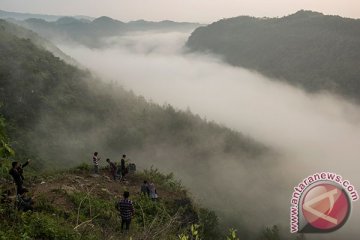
5	149
271	233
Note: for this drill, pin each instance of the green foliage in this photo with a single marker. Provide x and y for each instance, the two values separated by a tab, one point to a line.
5	149
35	225
83	167
166	180
272	233
43	226
195	231
232	235
156	219
209	224
5	166
147	210
101	211
195	234
307	49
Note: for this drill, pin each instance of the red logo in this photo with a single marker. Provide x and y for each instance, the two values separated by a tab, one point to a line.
325	207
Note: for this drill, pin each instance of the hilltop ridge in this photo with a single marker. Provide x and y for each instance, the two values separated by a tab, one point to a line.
307	49
75	204
92	32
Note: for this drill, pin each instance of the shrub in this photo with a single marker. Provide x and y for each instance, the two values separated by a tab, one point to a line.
166	180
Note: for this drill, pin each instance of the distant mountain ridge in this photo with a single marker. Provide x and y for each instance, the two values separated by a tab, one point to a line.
92	32
308	49
24	16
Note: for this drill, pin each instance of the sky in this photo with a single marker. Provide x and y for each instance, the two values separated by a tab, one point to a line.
203	11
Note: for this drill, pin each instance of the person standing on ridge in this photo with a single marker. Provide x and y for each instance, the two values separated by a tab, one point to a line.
112	168
127	211
123	167
153	192
18	180
118	171
145	189
96	160
20	168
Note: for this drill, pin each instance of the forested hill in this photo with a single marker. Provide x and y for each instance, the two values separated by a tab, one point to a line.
24	16
61	114
40	42
307	49
93	32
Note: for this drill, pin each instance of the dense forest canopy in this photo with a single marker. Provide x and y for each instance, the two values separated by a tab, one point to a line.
307	49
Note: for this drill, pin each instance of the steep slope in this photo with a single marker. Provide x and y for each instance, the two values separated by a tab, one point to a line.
35	38
307	49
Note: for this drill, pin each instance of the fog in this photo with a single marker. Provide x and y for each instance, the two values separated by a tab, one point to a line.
317	132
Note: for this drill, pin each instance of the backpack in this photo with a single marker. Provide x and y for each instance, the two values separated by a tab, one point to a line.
132	167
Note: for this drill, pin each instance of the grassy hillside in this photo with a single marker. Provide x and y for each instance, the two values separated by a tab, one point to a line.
74	204
307	49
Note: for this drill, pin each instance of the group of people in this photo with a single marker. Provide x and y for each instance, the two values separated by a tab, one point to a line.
148	189
116	171
125	206
23	202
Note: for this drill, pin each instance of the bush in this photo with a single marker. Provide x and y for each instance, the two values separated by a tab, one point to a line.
209	224
83	167
42	226
272	233
166	180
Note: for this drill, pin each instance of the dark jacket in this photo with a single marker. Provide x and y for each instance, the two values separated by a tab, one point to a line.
16	176
24	203
145	189
21	170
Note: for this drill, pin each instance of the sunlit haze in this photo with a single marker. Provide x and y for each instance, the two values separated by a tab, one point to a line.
181	10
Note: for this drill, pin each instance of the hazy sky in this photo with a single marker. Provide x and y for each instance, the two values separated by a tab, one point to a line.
181	10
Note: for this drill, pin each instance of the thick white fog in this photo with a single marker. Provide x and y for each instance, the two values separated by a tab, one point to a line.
311	132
